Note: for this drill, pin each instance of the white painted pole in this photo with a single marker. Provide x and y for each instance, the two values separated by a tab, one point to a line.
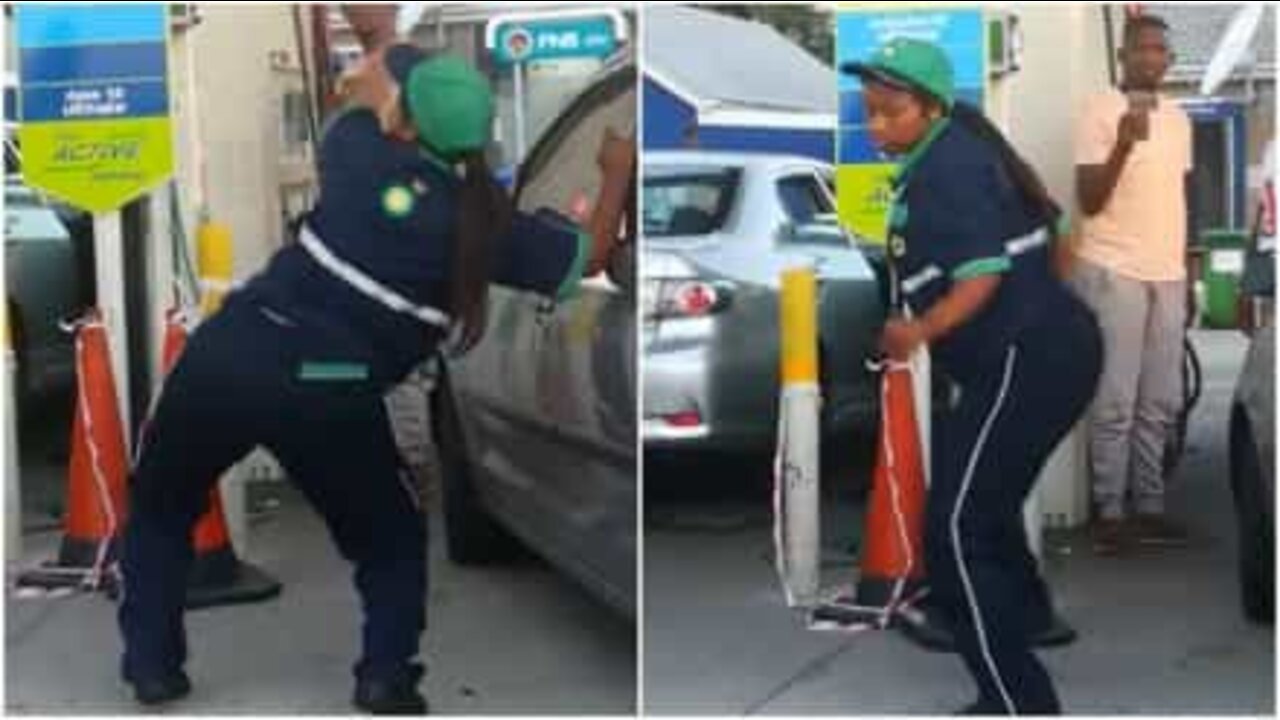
519	112
922	394
12	468
234	499
1033	521
797	472
160	279
109	260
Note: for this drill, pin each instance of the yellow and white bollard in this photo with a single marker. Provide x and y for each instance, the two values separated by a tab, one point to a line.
797	524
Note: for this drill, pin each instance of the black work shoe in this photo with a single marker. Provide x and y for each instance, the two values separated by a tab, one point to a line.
400	696
161	689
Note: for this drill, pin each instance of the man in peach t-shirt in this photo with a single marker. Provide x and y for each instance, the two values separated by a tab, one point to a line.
1133	150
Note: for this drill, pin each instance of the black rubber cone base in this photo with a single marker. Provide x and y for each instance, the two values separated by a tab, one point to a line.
844	612
881	591
242	584
52	576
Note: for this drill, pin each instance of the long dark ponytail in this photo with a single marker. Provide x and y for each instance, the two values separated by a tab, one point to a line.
484	214
1024	177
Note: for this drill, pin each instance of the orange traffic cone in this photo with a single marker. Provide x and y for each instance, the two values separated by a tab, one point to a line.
892	558
217	576
96	474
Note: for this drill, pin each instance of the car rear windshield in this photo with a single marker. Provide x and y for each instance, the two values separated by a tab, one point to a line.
688	201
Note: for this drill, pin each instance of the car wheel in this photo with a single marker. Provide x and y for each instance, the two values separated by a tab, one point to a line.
1256	526
472	536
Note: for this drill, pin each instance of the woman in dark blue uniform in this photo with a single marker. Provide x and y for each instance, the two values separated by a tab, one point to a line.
393	262
971	230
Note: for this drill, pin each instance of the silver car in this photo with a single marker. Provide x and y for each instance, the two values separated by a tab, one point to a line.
536	426
718	229
41	290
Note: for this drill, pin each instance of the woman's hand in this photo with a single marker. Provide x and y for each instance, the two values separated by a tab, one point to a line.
370	85
901	338
367	84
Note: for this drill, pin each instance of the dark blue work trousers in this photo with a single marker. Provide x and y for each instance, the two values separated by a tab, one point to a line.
989	450
238	386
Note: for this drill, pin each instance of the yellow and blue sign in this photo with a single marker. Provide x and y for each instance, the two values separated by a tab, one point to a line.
862	172
555	39
93	100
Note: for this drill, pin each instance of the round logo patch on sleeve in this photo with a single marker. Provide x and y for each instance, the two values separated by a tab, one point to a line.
397	201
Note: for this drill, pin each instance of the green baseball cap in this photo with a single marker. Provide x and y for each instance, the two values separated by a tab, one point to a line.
448	100
911	65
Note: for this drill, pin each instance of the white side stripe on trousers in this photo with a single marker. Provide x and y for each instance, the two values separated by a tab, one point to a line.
970	595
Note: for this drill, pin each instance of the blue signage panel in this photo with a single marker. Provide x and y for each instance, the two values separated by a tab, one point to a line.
93	100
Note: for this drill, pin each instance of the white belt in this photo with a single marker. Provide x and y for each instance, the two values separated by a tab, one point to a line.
1028	242
365	285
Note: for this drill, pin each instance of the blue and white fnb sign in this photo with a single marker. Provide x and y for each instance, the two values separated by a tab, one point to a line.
530	37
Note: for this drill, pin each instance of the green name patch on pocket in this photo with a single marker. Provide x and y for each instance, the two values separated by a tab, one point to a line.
333	372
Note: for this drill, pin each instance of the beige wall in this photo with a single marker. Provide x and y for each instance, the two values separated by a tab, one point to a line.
239	98
1063	62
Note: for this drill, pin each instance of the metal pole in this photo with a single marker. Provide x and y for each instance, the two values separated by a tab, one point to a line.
1108	24
519	112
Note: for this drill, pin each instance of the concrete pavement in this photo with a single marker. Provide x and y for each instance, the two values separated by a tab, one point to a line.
517	639
1161	632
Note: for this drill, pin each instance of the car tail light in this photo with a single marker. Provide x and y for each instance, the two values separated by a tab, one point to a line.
695	299
687	298
685	419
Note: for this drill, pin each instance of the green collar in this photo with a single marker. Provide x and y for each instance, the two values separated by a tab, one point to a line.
913	157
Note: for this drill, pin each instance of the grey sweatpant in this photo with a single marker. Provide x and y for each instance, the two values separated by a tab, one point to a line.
1140	392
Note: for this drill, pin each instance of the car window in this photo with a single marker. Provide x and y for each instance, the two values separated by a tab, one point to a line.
803	199
27	218
688	201
566	178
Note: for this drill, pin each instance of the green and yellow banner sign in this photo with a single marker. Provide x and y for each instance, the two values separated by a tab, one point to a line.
93	101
